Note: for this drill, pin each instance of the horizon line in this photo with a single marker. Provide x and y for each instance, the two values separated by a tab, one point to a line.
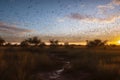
72	43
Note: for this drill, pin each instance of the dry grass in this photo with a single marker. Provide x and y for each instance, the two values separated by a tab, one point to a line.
21	63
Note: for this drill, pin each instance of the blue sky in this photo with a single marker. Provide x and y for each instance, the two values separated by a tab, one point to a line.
66	20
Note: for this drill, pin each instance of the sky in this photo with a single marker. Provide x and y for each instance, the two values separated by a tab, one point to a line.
65	20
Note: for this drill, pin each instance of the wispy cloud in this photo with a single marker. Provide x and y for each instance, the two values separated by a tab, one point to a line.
12	29
102	9
78	16
61	20
13	33
87	18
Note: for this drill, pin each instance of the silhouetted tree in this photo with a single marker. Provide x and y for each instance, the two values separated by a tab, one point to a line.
96	43
31	41
54	43
42	44
34	41
24	43
2	41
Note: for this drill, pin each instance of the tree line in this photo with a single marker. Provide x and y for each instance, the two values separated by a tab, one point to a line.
35	41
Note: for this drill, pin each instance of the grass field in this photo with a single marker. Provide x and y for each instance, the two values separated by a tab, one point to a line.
21	63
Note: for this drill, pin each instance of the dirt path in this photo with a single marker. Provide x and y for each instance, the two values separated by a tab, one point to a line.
57	74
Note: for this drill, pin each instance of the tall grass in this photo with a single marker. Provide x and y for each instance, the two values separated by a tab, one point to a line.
18	63
100	64
21	64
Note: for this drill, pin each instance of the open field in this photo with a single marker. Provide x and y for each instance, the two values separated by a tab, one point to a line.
35	63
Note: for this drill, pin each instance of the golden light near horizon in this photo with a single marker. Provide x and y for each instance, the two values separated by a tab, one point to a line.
118	41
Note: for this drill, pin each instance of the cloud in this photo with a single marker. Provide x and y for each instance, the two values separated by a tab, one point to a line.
60	20
87	18
102	9
116	2
12	29
78	16
13	33
107	6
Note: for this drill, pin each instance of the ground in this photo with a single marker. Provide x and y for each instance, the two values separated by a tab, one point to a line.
59	63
